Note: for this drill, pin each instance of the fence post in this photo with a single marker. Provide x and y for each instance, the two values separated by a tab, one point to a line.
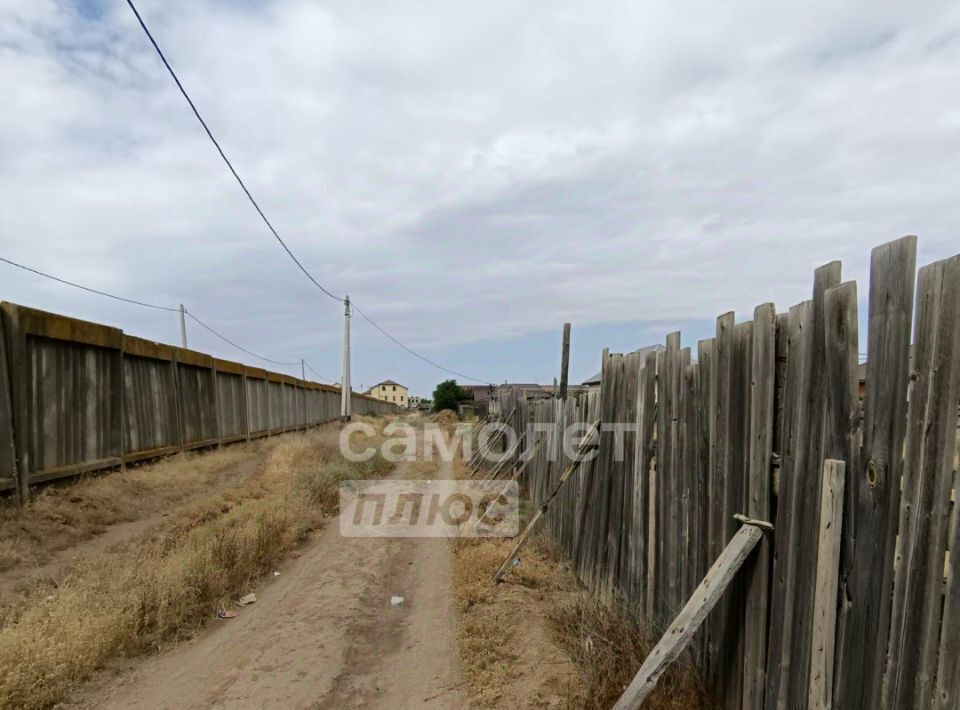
8	458
17	375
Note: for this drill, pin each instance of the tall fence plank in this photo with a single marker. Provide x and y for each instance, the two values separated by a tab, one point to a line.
762	390
796	424
867	575
927	482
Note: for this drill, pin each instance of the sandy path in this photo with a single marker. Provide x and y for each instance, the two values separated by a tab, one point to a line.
322	635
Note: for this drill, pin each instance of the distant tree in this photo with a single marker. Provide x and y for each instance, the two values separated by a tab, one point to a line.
447	395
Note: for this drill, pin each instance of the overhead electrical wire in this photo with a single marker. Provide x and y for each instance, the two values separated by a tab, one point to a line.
310	367
414	353
144	304
263	216
226	160
87	288
238	347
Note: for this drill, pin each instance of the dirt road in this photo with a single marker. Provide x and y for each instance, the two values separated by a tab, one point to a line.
322	635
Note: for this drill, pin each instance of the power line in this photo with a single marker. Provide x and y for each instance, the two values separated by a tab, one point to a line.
239	347
256	206
223	155
145	305
310	367
414	352
87	288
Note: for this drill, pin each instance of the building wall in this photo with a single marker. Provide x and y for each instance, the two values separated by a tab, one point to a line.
394	394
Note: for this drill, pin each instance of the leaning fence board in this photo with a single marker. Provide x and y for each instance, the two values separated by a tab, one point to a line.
824	623
927	482
867	577
678	635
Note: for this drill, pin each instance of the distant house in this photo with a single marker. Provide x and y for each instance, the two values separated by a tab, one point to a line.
478	393
595	380
390	391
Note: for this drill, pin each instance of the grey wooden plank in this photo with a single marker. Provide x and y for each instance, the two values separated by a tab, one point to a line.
867	574
929	456
796	423
671	478
947	691
824	622
692	503
720	462
841	409
757	573
660	531
678	635
631	420
705	389
735	502
824	278
646	414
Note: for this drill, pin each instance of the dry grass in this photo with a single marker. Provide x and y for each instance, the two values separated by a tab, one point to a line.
507	654
59	517
540	640
163	586
609	644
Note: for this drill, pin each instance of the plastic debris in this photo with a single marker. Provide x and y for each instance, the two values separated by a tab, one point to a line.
248	599
276	573
397	601
224	614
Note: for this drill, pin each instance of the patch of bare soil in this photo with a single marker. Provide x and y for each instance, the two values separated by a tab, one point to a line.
323	634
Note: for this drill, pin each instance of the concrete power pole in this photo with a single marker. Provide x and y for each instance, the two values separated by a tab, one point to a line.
345	380
303	369
183	327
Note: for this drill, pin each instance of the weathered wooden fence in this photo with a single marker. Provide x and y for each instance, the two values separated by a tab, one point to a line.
744	426
77	396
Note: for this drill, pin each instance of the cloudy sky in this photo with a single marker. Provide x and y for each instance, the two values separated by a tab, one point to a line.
472	174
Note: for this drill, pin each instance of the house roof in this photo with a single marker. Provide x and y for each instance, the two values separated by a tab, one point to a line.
389	382
656	348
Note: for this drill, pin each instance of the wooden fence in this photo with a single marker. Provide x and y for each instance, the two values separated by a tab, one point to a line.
743	425
77	396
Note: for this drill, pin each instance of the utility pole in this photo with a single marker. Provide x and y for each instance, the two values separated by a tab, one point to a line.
564	362
303	369
183	327
345	380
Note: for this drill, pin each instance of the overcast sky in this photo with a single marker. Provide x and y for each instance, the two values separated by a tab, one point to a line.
472	174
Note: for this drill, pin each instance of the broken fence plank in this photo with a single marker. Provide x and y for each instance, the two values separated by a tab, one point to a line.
671	645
